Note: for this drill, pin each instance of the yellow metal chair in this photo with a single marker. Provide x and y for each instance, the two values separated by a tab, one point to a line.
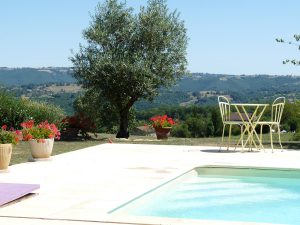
228	118
276	114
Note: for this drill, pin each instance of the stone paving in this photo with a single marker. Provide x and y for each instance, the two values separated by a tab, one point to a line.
82	186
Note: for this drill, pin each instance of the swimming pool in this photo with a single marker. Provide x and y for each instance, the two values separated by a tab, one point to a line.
230	194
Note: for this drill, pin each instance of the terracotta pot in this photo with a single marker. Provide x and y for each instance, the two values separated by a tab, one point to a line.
5	155
162	133
41	149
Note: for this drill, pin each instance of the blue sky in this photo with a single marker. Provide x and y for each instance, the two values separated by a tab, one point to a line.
225	36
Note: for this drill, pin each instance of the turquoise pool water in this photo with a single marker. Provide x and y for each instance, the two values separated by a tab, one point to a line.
231	194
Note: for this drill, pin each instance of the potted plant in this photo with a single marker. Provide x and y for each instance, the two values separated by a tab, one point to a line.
8	138
162	125
40	137
77	124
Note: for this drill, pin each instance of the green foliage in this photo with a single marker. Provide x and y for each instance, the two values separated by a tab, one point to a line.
205	121
8	137
181	130
40	111
297	39
197	126
290	117
129	57
14	111
62	100
296	137
99	110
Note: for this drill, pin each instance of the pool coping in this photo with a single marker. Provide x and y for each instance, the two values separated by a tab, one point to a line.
150	165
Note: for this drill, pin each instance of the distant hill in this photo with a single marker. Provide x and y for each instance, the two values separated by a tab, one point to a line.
219	82
203	89
196	89
194	83
25	76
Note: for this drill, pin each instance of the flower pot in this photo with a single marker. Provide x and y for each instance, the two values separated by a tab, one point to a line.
162	133
41	149
5	155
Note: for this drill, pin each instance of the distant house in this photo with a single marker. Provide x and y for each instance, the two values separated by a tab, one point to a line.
234	116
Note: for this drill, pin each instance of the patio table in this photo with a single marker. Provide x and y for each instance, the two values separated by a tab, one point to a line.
250	114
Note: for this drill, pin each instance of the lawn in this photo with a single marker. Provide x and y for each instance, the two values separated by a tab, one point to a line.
21	152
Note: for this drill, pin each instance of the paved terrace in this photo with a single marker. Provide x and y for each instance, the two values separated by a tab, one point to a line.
80	187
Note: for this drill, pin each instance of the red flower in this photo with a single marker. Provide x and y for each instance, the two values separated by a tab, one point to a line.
162	121
29	124
27	137
4	127
41	131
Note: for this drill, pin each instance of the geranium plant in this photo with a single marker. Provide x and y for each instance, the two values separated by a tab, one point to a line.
162	122
10	136
41	131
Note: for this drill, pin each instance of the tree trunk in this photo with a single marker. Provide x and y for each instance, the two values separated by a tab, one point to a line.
123	129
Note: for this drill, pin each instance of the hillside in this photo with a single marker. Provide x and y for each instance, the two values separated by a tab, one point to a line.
56	85
26	76
218	82
203	89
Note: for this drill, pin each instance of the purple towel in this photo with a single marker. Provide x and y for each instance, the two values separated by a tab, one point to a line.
11	191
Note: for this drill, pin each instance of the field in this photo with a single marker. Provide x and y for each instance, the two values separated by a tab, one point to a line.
56	89
21	152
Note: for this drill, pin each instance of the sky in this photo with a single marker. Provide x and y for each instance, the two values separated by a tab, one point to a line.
225	36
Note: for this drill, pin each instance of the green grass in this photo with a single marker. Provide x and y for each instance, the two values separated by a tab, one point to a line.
21	152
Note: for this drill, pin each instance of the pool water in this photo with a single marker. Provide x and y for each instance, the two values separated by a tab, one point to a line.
231	194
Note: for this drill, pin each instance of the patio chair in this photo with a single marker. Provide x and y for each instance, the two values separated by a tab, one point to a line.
276	114
228	118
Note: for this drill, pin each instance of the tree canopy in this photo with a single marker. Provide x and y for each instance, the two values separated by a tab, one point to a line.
130	56
297	39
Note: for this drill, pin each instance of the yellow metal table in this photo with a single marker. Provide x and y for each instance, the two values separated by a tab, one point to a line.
250	115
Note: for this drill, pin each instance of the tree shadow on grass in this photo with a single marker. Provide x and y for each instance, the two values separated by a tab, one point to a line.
219	151
80	138
292	146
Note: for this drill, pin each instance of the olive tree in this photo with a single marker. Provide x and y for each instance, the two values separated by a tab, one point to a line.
130	56
297	39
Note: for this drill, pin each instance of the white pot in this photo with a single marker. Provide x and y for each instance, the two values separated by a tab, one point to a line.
41	149
5	155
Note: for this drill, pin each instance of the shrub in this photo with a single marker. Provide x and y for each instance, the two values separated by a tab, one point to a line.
14	111
79	122
181	130
40	111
